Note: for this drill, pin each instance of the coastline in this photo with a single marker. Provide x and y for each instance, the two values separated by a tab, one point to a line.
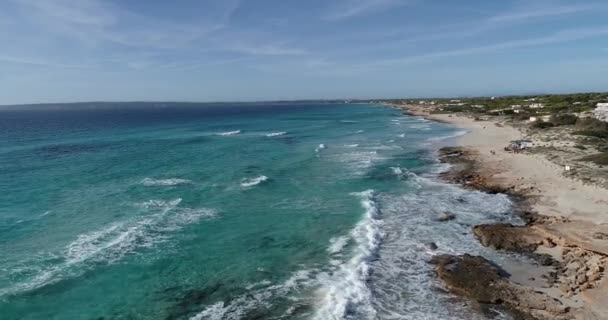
566	221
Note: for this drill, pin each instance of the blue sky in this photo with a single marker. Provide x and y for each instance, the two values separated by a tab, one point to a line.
231	50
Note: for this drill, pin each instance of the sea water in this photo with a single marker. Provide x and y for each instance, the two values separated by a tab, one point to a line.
229	211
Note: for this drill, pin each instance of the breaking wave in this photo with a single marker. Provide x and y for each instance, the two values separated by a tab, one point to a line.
320	147
250	182
345	292
454	135
107	245
260	297
229	133
149	182
276	134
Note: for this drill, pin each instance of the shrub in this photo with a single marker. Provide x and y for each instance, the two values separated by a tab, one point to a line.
591	124
592	127
521	116
599	159
592	133
563	119
542	125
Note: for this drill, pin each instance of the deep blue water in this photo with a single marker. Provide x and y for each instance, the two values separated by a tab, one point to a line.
233	211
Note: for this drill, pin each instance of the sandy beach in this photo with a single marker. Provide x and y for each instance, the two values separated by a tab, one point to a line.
574	214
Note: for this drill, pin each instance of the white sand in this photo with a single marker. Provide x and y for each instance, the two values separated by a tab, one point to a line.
556	194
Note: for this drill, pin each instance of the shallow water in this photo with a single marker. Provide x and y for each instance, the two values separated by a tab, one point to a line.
265	211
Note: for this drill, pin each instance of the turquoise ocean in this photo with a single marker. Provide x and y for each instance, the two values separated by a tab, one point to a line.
230	211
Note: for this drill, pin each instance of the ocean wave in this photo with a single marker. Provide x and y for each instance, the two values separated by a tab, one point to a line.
337	244
398	171
345	292
450	136
230	133
149	182
424	127
354	145
320	147
276	134
403	268
261	297
250	182
108	245
360	161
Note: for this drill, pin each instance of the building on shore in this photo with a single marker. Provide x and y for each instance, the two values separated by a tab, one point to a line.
601	112
537	106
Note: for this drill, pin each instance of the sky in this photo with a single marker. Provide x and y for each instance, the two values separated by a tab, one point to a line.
251	50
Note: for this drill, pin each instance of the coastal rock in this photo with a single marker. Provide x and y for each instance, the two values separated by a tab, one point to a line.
580	270
508	237
479	279
446	217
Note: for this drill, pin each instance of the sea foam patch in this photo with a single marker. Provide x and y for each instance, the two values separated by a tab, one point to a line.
109	244
229	133
251	182
149	182
345	292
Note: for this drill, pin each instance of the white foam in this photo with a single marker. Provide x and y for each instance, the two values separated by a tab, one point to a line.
337	244
320	147
110	244
403	269
454	135
276	134
345	292
149	182
402	135
250	182
398	171
259	296
359	161
229	133
354	145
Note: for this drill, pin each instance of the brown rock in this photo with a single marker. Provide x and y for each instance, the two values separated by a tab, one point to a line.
600	236
446	217
478	279
508	237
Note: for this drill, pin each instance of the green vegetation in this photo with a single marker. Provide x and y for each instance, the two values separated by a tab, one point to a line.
599	159
542	125
563	119
591	127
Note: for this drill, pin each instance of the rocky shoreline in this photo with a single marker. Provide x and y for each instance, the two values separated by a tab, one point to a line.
564	227
574	269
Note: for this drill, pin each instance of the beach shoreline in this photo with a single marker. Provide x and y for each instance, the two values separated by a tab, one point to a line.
566	219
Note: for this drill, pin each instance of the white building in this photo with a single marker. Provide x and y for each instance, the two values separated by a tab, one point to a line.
537	106
601	112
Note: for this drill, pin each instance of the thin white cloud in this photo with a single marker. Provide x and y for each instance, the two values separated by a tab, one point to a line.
37	62
545	11
345	9
558	37
269	50
96	21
